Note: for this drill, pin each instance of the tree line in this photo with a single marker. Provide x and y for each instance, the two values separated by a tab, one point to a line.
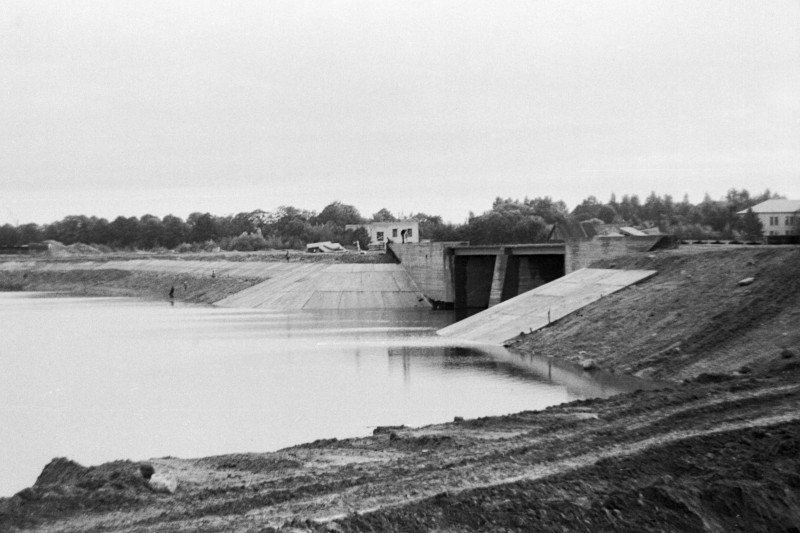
508	221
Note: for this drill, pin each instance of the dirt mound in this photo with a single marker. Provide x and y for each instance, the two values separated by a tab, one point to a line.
743	480
61	471
255	463
65	486
120	475
83	249
423	442
57	249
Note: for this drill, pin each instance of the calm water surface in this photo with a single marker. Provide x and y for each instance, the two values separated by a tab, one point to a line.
97	379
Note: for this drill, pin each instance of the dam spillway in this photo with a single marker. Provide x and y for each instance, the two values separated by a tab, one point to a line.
543	305
331	286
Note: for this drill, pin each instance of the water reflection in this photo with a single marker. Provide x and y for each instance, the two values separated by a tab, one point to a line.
97	379
578	382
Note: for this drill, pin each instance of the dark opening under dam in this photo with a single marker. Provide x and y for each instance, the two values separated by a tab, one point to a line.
482	279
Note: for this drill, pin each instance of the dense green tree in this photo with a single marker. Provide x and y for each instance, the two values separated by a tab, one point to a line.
151	232
509	221
9	236
69	230
99	231
174	231
607	214
752	228
339	214
243	223
550	211
29	233
124	231
586	210
203	228
384	215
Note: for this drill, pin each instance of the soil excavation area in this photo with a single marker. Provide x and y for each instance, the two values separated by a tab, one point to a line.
719	450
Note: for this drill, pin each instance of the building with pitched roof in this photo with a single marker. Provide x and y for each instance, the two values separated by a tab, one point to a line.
380	233
779	217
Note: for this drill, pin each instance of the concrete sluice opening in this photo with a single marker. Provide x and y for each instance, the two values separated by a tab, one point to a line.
481	281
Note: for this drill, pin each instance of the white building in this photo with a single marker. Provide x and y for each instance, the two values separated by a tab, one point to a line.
779	217
403	231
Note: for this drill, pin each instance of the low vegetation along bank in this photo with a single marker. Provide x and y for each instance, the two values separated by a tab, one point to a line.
719	450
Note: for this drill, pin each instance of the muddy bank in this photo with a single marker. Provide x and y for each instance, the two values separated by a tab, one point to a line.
715	454
130	283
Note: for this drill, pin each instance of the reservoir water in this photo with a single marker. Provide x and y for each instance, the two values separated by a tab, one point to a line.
98	379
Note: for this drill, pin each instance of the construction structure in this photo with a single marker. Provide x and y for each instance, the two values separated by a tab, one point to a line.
543	305
383	233
458	275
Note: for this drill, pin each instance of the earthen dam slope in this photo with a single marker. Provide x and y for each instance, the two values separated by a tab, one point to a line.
284	285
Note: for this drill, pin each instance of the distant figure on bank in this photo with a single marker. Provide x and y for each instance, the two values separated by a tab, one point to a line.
185	286
287	256
172	292
213	274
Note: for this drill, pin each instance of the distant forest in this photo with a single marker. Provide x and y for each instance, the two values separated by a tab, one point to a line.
508	221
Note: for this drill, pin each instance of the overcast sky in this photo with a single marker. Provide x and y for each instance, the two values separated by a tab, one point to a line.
135	107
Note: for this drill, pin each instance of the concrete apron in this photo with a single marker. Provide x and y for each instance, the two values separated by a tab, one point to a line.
539	307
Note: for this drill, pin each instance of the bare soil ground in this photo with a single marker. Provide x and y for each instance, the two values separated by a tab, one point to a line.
718	451
692	317
139	284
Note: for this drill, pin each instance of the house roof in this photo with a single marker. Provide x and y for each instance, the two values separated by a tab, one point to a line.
632	231
775	206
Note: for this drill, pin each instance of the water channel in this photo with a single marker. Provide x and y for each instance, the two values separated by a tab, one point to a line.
98	379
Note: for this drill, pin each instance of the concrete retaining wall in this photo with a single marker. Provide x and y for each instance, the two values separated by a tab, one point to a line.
582	253
429	267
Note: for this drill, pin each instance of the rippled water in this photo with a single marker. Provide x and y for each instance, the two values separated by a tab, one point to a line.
109	378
